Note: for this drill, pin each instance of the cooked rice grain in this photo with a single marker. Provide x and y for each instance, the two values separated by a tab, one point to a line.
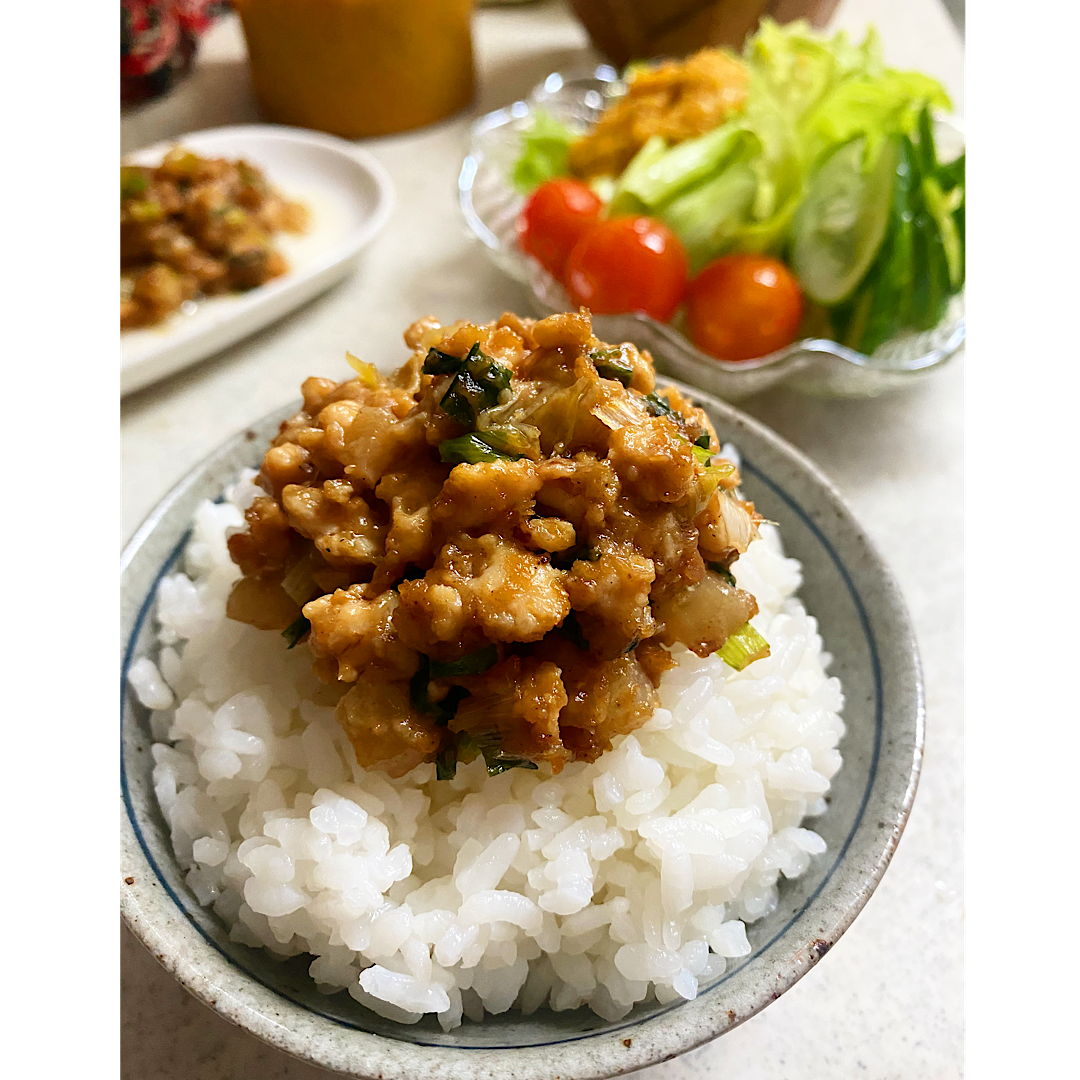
614	882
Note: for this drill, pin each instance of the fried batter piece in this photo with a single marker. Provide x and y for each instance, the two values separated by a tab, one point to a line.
493	550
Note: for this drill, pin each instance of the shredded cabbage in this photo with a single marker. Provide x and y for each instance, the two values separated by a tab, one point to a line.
369	374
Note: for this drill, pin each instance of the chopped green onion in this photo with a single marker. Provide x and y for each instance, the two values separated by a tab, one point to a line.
441	363
704	440
501	763
657	406
571	630
715	475
743	647
609	364
418	687
146	211
472	664
133	181
296	630
448	706
723	571
421	700
468	748
700	451
476	386
251	176
489	743
609	369
472	449
495	378
461	400
509	441
446	762
563	560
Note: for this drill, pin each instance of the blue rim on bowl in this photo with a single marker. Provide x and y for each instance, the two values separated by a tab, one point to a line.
864	625
490	206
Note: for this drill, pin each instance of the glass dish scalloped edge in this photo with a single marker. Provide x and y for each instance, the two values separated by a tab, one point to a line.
819	366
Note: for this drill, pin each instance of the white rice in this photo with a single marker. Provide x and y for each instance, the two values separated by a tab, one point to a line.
612	883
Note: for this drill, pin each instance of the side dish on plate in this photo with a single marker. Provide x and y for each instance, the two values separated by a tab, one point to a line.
197	226
344	194
806	153
489	690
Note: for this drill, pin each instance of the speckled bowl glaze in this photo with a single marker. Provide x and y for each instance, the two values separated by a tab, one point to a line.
866	629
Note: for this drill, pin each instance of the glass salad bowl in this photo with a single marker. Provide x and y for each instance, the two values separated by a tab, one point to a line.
490	205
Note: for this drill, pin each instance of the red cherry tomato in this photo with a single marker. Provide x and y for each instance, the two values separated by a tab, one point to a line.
555	217
628	264
744	306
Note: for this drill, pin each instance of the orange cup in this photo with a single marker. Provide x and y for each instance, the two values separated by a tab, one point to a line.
359	68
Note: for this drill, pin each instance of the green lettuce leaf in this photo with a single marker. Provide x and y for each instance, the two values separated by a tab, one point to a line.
544	149
797	67
807	96
875	106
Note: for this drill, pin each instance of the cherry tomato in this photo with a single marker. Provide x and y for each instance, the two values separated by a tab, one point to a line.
628	264
744	306
555	217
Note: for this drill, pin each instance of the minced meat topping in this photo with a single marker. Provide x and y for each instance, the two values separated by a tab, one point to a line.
493	550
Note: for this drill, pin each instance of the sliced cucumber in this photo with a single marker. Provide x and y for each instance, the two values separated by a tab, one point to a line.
839	228
893	270
931	293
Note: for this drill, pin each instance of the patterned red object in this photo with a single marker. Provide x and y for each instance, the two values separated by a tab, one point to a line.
158	39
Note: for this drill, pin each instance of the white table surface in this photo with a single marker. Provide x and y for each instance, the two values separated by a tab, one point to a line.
887	1001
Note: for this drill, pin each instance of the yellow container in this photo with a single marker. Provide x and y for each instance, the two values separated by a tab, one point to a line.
358	68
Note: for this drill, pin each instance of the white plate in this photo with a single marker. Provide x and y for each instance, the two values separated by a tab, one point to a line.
350	196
